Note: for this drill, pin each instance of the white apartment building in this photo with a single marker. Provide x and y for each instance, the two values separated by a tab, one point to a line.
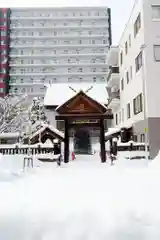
57	45
138	80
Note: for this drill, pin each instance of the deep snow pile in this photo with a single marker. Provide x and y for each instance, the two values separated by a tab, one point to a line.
11	166
83	200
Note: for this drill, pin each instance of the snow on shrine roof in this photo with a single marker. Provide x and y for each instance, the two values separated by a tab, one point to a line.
112	131
57	94
52	128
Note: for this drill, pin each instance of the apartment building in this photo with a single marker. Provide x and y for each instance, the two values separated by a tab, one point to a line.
134	75
4	51
57	45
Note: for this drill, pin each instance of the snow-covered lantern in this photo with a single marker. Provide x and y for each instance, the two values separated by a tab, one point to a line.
114	146
131	145
55	141
115	140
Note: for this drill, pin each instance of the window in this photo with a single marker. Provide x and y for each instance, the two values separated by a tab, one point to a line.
80	41
129	40
80	70
93	41
126	47
128	110
104	41
121	58
122	84
138	61
137	25
3	33
130	72
137	104
104	70
116	118
94	79
15	90
156	12
156	52
127	77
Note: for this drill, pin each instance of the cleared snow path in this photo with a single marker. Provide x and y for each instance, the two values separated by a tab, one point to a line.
82	200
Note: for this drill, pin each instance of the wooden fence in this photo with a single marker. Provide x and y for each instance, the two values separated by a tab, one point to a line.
15	149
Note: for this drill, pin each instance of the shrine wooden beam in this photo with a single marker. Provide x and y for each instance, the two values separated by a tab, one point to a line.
83	116
74	125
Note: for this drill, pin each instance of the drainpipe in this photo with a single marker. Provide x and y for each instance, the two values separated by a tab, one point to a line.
143	47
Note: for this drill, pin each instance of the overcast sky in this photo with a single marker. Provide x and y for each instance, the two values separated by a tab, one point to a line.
121	9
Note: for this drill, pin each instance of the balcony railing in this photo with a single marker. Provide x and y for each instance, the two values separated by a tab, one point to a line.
18	55
60	27
13	17
59	74
58	64
114	95
113	76
53	46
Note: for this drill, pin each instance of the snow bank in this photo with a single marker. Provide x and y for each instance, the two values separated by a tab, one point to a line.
12	166
155	163
83	200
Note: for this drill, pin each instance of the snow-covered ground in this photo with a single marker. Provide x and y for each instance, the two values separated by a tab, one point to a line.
82	200
11	166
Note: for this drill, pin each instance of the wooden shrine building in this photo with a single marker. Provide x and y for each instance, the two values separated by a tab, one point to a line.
44	133
80	111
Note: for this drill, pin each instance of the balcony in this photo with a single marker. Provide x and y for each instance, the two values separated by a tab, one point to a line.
13	17
18	55
114	100
112	58
59	74
59	27
80	64
113	77
57	45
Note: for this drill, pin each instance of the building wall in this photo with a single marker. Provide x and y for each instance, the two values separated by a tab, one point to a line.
135	85
152	72
58	45
145	42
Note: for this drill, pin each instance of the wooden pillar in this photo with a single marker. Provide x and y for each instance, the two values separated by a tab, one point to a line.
102	142
66	141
